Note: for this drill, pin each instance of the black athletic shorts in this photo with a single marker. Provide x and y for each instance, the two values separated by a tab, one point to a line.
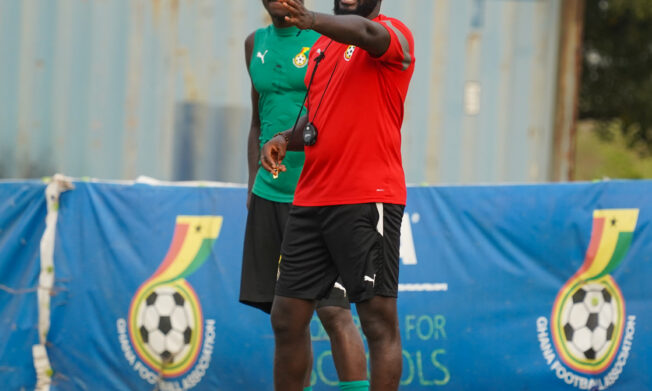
359	243
262	247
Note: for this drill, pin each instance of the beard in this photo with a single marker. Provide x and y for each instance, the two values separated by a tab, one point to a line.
364	8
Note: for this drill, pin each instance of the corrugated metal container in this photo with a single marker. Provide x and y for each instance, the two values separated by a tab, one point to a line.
121	88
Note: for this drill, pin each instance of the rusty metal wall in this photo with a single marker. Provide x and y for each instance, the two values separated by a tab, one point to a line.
120	88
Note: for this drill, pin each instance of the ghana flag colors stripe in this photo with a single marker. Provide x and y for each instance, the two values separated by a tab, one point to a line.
611	237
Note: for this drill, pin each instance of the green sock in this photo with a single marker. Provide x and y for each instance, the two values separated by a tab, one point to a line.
309	388
360	385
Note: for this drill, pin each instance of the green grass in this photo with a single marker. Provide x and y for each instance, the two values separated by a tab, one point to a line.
597	158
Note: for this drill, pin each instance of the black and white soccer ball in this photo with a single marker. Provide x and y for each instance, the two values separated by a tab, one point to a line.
349	52
588	321
300	60
166	324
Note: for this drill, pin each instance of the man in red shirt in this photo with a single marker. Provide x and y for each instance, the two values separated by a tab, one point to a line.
348	206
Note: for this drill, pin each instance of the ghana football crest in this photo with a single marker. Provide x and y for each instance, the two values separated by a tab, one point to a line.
589	329
301	59
165	337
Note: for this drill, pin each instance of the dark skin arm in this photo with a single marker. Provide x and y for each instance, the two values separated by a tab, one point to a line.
274	150
253	151
348	29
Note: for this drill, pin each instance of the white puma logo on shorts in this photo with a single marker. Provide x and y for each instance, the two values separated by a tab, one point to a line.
373	280
339	286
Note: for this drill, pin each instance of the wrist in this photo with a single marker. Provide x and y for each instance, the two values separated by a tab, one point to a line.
282	134
313	16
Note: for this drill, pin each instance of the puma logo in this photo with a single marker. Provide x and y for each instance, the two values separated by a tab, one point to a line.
372	280
340	287
262	56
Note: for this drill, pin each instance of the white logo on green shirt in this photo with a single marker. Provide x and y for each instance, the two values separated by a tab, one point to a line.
262	56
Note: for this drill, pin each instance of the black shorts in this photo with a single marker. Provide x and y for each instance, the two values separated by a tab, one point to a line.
262	248
359	243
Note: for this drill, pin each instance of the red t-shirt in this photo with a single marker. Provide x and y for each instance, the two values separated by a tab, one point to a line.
357	157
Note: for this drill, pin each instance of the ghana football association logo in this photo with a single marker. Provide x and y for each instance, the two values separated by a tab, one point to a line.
589	329
165	338
301	59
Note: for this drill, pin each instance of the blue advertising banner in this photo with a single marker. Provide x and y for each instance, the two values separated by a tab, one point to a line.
532	287
22	222
544	287
151	292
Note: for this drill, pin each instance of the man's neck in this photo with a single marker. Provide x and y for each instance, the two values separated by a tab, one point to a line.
279	22
374	14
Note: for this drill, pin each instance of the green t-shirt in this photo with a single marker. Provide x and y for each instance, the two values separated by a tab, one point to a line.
278	68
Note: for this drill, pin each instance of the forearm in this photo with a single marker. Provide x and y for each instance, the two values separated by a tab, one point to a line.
253	155
348	29
295	140
353	30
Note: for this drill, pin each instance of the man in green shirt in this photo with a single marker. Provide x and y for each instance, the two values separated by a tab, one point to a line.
277	58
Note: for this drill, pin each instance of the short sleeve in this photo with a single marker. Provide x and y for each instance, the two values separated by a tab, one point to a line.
400	53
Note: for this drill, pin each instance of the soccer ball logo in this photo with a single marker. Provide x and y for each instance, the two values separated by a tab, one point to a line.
588	319
166	324
349	52
300	60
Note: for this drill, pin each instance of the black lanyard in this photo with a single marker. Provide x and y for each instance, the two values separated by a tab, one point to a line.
318	59
328	83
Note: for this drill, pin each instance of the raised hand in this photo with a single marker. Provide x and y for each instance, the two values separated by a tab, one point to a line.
299	15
